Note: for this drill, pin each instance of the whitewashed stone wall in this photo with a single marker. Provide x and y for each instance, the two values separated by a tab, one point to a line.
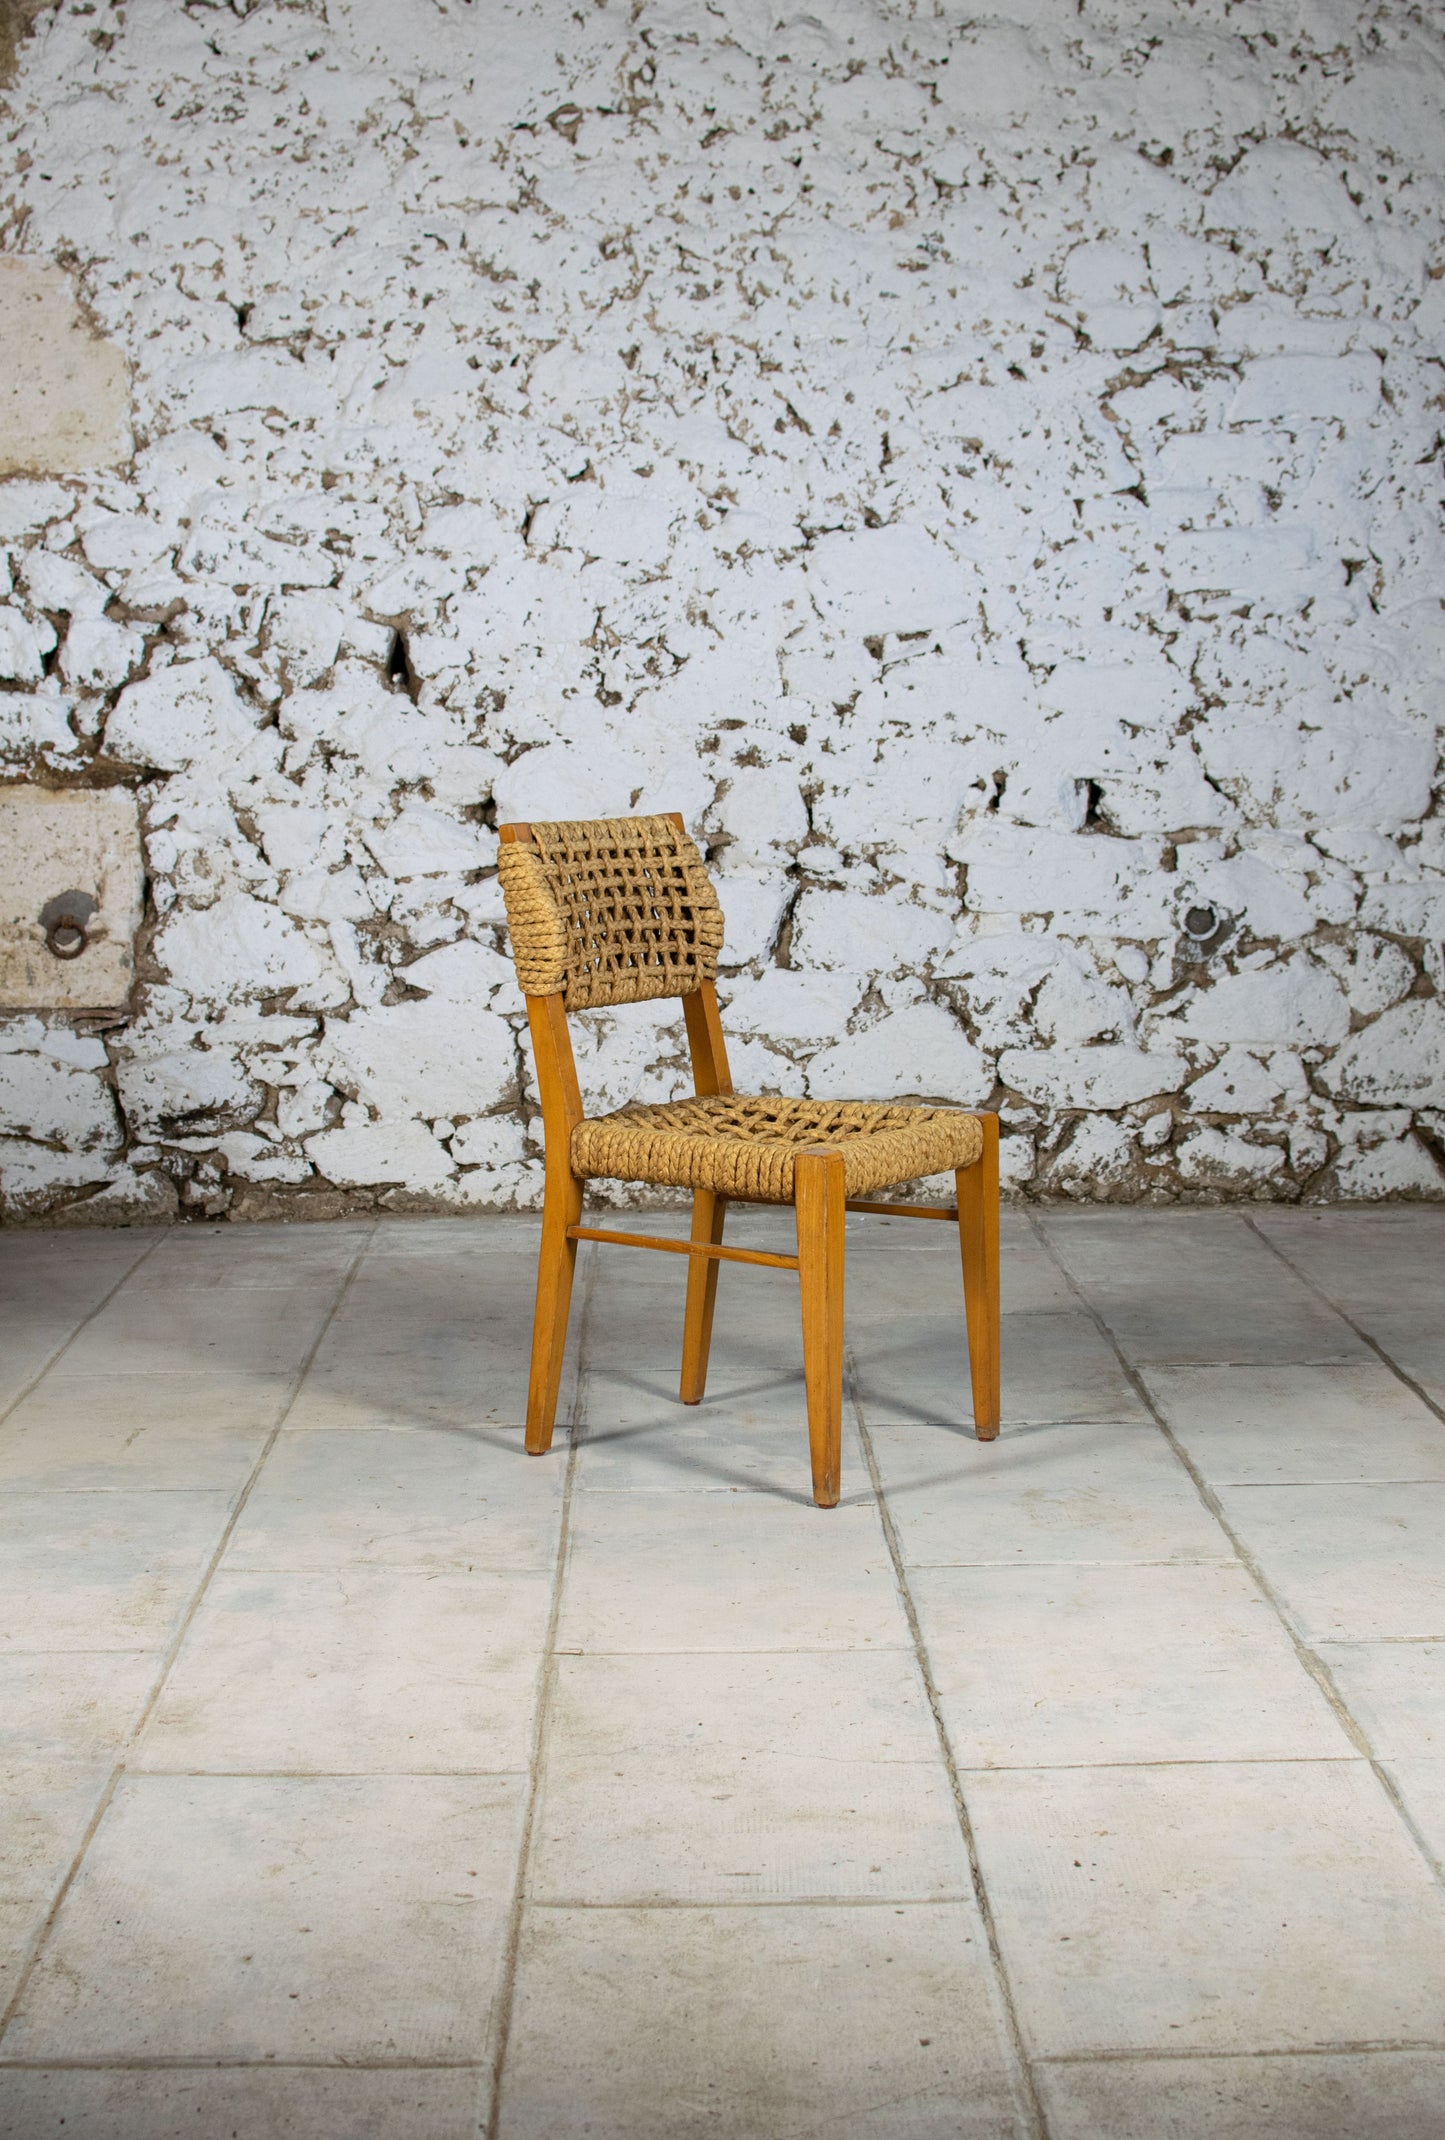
984	469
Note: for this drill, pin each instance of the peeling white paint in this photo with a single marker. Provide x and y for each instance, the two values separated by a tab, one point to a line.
984	473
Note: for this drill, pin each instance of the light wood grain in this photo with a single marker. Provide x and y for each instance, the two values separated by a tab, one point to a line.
977	1188
819	1202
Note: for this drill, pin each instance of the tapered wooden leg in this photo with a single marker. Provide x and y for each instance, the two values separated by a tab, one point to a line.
561	1208
708	1214
977	1188
818	1196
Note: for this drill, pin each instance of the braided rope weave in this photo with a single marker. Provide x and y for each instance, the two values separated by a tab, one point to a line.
737	1146
610	910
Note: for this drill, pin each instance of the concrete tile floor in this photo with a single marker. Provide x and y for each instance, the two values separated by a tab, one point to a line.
362	1777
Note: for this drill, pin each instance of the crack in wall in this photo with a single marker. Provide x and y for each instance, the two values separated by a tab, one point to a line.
986	477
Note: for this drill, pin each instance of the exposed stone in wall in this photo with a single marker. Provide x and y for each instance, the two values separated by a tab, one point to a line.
64	398
984	472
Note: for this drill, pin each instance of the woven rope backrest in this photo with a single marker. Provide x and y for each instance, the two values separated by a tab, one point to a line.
610	910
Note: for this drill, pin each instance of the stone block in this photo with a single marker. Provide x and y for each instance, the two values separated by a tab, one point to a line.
55	842
64	392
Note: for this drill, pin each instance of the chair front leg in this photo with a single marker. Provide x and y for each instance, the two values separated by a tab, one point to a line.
708	1214
561	1208
977	1192
819	1199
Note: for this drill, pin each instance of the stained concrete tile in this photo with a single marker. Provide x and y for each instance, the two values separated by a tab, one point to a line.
329	1917
1267	1426
757	1325
1371	1263
1350	1562
246	1258
894	1265
96	1432
45	1808
1421	1785
722	1779
400	1497
22	1922
1047	1666
262	1336
499	1235
70	1705
672	2024
28	1346
728	1572
82	1571
1056	1369
354	1671
253	2102
1223	1907
421	1342
1371	2095
1070	1493
62	1276
1179	1290
1417	1346
749	1431
1395	1691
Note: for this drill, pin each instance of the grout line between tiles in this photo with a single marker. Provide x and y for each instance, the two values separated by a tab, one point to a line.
115	2063
172	1649
1183	2054
1309	1658
507	1988
1165	2053
60	1351
1033	2102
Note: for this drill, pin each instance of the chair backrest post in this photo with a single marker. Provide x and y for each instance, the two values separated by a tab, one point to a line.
705	1041
557	1085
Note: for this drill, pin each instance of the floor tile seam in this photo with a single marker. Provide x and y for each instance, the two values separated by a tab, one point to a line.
856	1649
1381	1353
1362	2047
167	1659
61	1493
1308	1656
60	1351
1359	1642
505	1996
485	1571
117	2062
134	1773
1279	1357
1156	1761
963	1898
1266	1485
1032	2102
1271	1486
1190	1560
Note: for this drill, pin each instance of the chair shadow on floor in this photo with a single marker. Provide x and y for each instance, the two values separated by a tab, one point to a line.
694	1444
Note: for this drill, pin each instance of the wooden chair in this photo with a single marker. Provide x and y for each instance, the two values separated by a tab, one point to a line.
621	910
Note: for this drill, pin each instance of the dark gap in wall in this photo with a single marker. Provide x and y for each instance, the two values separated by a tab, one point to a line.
1094	807
399	671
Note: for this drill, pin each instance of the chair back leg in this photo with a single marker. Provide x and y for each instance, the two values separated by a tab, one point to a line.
977	1196
561	1208
708	1214
819	1200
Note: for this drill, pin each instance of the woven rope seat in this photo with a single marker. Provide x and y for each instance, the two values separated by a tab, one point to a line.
738	1146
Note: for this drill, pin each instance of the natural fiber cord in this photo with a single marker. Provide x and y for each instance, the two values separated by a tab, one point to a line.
610	910
747	1147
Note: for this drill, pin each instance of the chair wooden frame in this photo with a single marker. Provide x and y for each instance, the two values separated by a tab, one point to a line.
820	1208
